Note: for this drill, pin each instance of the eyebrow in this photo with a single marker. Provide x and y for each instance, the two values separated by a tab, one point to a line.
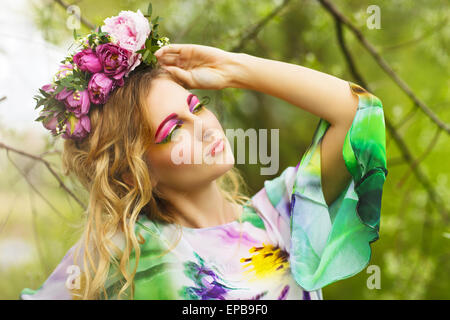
170	116
189	100
173	115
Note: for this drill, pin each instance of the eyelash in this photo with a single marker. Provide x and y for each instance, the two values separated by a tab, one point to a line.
198	107
169	136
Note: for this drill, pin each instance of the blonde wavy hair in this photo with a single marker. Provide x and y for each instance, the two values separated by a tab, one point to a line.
117	145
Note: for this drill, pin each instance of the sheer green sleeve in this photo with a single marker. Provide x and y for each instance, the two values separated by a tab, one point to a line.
330	243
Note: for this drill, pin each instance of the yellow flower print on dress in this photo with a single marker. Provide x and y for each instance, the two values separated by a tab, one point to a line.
268	260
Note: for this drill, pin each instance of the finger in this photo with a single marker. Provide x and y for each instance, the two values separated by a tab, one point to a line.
168	59
180	74
170	48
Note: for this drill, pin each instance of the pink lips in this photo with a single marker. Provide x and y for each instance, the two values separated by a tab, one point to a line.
217	147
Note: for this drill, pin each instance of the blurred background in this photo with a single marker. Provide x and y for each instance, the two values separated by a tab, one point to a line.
398	50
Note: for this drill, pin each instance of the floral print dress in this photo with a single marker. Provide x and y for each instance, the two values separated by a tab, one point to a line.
287	244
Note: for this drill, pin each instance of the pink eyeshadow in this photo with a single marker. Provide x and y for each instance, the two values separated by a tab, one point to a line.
165	130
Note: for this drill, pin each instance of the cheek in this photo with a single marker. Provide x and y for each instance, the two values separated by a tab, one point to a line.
161	159
180	162
165	163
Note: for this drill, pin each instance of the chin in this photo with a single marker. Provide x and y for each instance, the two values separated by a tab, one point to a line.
219	169
223	162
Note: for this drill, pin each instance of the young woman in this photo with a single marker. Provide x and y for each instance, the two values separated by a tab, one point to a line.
160	229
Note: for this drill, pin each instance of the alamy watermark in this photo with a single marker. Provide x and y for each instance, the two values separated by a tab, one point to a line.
189	149
374	20
74	19
374	280
73	278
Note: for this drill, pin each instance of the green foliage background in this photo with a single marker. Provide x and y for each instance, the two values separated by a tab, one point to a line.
413	250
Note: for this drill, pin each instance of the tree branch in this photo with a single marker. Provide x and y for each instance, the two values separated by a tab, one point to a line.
426	34
253	32
49	167
383	64
401	144
88	24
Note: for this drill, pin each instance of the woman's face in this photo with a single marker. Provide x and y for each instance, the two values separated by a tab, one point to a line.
186	150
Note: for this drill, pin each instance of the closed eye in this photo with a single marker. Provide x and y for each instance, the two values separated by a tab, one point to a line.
168	133
194	103
194	106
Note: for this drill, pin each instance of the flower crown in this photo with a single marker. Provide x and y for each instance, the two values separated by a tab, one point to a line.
99	65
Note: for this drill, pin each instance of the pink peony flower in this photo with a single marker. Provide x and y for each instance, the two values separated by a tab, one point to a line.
49	88
63	94
118	83
114	60
99	88
134	61
78	103
64	70
81	129
87	60
51	123
129	30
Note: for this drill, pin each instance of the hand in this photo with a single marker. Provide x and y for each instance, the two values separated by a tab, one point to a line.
197	66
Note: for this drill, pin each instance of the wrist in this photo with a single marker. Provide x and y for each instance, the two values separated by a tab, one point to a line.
237	70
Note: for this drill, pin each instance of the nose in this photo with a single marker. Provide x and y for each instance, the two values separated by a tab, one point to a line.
206	134
202	131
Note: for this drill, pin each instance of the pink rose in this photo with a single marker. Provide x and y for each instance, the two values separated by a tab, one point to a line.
129	30
99	88
87	60
78	103
81	129
114	60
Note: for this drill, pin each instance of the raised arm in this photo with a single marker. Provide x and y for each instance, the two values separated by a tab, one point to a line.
321	94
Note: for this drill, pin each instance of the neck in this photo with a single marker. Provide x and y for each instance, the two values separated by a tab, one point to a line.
202	207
